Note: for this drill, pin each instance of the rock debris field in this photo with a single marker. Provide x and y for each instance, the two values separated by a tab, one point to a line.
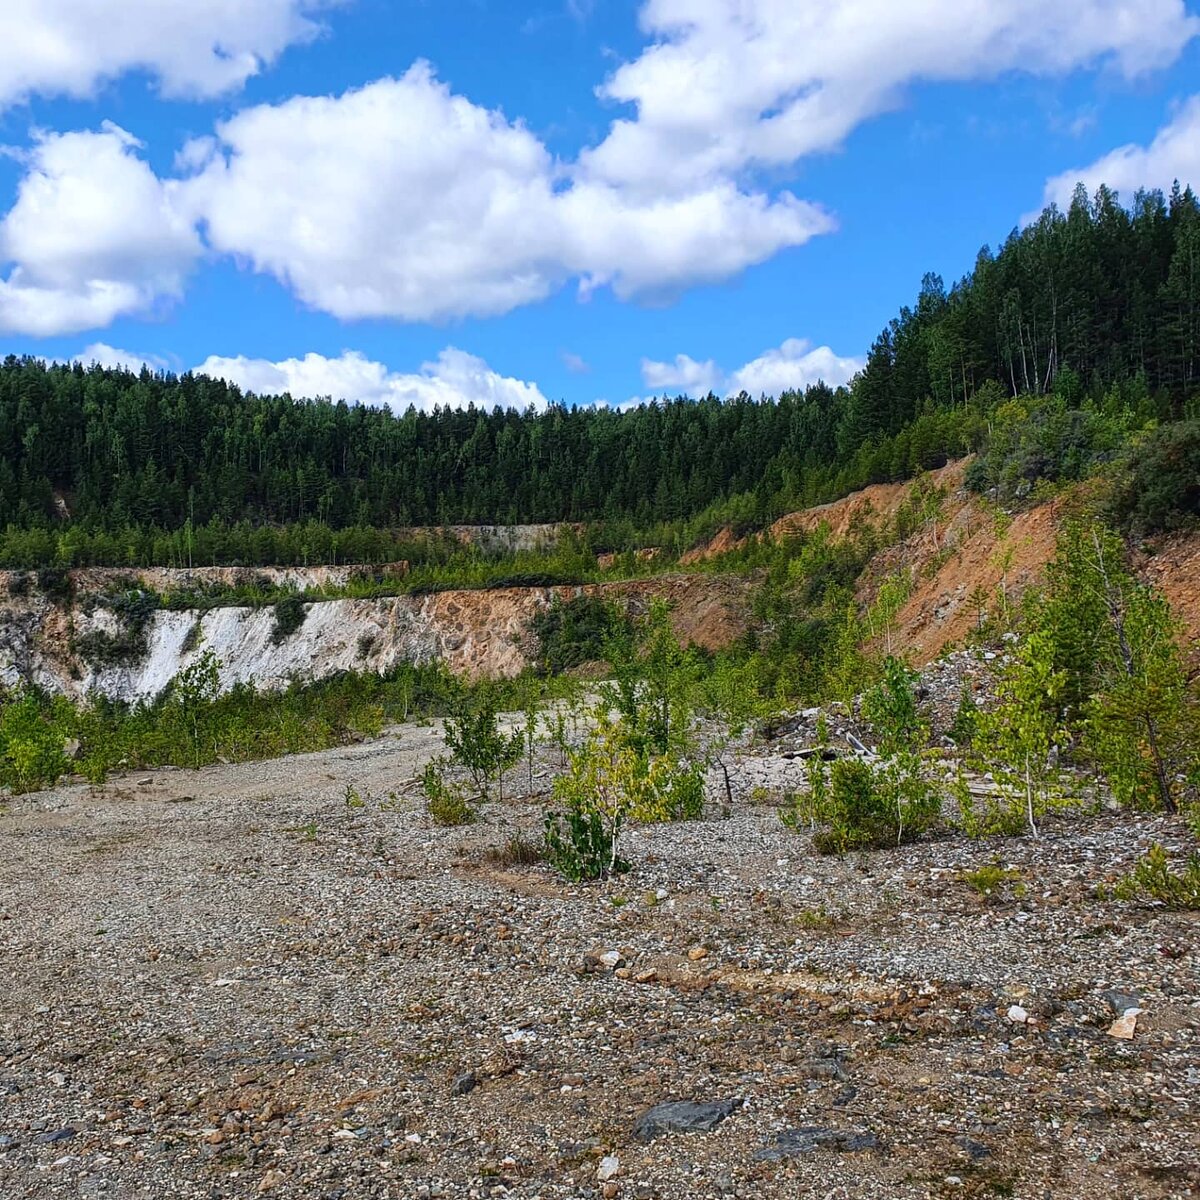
240	981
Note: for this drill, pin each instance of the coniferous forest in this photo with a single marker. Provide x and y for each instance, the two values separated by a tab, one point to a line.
1099	306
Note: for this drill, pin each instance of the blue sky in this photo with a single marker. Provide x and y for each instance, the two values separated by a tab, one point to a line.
441	201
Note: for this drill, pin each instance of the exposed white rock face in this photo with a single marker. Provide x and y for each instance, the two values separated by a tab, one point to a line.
474	633
337	635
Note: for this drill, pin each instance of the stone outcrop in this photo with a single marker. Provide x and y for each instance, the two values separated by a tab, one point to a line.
475	633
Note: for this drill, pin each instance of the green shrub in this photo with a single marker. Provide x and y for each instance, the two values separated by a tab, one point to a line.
31	742
1044	439
1014	742
871	807
193	723
191	705
993	881
445	802
1153	878
852	809
290	613
134	610
473	737
655	685
891	708
965	725
56	584
683	793
101	649
581	845
612	777
1161	484
577	631
193	637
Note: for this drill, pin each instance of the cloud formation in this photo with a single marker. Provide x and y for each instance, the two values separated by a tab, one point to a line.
1174	154
731	84
683	376
93	236
104	355
193	48
454	380
793	366
402	199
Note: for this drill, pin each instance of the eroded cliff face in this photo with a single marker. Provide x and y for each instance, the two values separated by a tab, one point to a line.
962	557
475	633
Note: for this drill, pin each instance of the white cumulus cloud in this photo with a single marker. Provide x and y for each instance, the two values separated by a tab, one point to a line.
727	84
1174	154
454	380
104	355
684	375
793	366
93	235
191	47
402	199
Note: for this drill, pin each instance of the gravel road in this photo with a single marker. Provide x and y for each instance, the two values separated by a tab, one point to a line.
232	983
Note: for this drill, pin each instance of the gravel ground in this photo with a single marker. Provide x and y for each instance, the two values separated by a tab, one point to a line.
231	982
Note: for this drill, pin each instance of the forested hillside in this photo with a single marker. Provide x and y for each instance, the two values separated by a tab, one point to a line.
1099	306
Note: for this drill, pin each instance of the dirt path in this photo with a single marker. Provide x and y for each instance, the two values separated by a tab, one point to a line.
230	983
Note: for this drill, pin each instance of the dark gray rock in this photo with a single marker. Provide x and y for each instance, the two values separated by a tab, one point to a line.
1119	1000
792	1143
974	1150
683	1116
467	1082
54	1135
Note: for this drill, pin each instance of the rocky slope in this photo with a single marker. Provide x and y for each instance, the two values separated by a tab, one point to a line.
965	554
474	633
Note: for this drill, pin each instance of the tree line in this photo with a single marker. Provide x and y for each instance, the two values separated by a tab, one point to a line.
1100	304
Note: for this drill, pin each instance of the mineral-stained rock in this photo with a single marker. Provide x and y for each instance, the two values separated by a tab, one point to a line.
1125	1027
